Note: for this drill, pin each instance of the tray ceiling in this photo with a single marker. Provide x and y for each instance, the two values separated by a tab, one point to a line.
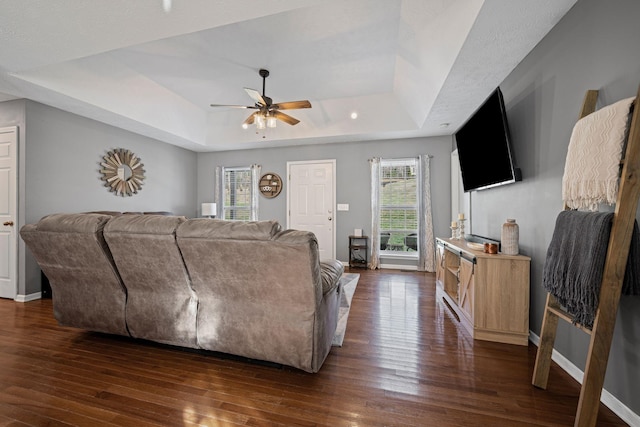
407	67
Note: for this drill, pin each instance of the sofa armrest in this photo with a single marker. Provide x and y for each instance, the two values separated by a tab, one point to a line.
331	270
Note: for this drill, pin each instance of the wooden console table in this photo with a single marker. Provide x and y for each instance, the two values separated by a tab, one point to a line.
489	293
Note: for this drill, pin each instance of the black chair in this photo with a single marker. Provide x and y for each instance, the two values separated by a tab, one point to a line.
384	240
411	241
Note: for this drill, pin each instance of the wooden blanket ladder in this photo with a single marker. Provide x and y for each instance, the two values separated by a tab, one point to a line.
611	287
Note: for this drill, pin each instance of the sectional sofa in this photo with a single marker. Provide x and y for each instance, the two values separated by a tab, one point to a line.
244	288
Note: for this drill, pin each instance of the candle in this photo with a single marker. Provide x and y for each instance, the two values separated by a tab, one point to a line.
454	224
461	215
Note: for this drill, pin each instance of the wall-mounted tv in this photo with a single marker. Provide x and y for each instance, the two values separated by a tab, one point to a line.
484	147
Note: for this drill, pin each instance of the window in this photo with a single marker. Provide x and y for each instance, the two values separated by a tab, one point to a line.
401	209
398	206
237	194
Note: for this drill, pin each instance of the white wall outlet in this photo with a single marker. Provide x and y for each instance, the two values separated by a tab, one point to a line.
343	206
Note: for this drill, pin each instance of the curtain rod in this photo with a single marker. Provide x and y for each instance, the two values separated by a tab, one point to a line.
400	158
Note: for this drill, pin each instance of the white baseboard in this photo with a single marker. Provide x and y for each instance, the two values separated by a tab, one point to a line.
27	298
609	400
399	267
390	266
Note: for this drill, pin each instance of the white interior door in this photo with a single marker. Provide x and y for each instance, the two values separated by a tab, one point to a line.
311	201
8	201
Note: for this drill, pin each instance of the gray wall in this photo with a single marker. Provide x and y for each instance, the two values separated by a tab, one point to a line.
352	178
595	46
60	154
63	163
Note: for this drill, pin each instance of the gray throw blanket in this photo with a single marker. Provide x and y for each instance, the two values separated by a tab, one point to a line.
575	261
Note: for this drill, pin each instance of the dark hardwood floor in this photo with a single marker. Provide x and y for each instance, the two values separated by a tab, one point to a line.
404	362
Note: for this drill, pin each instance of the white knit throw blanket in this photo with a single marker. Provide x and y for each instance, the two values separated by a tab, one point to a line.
592	166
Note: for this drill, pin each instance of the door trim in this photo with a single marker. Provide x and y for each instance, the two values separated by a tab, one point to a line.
14	267
333	192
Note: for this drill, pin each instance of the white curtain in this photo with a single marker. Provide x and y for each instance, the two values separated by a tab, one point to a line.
255	179
427	248
218	190
374	251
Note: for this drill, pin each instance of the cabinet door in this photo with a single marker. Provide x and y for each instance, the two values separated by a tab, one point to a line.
466	288
440	266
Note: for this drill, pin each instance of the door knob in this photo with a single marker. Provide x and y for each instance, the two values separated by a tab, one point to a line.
330	218
9	223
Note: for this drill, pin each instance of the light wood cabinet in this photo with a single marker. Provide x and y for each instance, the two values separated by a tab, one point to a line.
489	293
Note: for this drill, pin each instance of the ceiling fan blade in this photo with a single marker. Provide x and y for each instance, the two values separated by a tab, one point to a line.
250	119
285	118
234	106
292	105
259	99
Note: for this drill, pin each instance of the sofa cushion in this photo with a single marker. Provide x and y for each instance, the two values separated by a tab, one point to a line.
259	290
165	213
117	213
161	305
73	223
222	229
87	289
111	213
144	224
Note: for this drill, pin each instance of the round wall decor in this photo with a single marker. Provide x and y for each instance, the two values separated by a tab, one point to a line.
122	172
270	185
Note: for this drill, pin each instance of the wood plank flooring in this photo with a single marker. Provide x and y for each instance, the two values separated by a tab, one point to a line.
405	362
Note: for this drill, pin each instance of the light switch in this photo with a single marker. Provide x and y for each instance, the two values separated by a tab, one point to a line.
343	206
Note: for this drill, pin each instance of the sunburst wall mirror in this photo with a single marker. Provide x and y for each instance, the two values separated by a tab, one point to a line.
122	172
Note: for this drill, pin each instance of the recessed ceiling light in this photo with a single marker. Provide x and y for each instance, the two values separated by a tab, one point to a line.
444	125
245	126
354	115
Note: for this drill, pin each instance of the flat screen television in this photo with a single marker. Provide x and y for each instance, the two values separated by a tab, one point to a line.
484	147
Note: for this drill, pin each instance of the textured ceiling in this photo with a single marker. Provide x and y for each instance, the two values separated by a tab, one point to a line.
406	67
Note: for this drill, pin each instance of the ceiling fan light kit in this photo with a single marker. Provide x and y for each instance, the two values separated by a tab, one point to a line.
263	121
268	113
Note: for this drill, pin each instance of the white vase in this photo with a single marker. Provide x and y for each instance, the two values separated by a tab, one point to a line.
509	237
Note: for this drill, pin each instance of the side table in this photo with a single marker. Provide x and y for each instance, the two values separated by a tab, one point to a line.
358	251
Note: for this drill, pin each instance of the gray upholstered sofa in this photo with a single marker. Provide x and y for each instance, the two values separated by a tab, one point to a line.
243	288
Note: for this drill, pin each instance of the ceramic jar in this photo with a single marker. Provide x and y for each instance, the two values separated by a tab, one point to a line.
509	237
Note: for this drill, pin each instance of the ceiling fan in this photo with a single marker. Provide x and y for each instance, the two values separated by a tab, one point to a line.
268	112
